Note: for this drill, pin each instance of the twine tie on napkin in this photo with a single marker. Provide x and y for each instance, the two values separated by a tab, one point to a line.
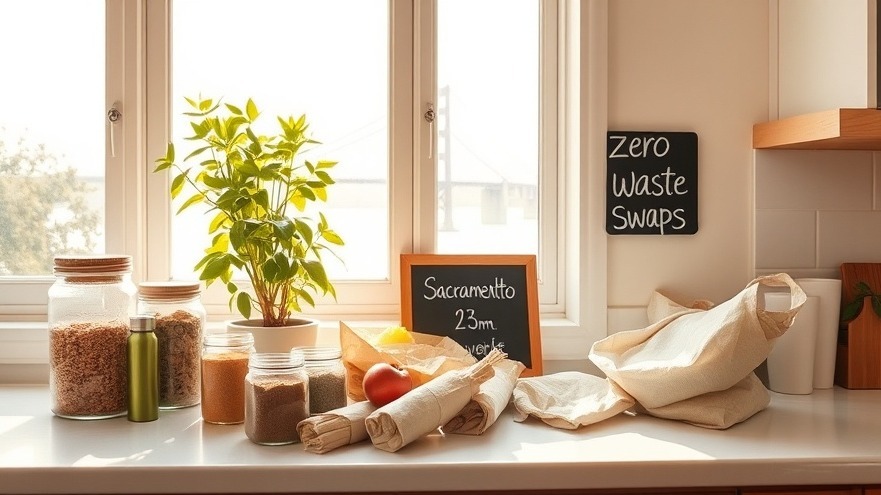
344	426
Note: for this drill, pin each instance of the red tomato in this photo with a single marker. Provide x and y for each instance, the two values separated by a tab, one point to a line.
384	383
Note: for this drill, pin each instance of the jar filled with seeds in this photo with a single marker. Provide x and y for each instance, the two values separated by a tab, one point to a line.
90	304
180	322
327	378
276	398
224	366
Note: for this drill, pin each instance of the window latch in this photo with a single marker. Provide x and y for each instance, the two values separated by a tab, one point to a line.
113	116
429	117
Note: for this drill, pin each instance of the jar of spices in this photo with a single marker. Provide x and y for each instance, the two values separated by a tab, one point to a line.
276	398
224	366
90	304
180	321
327	378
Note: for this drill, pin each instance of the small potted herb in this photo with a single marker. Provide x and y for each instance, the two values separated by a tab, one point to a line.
257	192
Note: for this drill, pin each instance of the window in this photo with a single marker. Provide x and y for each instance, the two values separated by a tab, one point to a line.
51	147
484	141
302	61
496	140
485	174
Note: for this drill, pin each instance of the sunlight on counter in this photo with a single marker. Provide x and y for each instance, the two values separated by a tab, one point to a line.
610	448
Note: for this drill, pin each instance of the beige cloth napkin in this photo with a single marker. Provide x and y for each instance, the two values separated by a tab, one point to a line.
569	399
344	426
488	403
428	407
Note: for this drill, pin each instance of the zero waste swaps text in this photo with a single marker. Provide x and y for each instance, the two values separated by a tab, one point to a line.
651	183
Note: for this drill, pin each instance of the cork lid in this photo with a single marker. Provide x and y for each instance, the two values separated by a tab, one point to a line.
171	290
98	264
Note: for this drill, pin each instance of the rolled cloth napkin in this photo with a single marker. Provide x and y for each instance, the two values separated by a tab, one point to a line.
428	406
324	432
488	403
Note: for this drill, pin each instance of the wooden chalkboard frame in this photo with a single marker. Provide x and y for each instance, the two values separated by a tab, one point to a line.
528	262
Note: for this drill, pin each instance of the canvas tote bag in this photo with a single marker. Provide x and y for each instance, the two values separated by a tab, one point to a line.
689	364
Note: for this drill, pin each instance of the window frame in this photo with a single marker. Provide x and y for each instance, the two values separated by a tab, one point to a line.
140	85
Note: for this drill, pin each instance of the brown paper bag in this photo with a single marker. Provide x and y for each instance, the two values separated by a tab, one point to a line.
427	358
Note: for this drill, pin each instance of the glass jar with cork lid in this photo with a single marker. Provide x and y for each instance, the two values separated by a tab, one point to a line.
90	304
180	323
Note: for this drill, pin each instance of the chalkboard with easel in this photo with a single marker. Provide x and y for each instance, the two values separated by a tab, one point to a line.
480	301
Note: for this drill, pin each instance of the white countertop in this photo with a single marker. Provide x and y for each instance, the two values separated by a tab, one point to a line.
831	437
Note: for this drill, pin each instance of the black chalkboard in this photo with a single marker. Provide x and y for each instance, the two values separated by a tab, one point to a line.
480	301
651	183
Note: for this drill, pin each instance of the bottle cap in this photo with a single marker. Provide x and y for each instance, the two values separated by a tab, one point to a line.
143	323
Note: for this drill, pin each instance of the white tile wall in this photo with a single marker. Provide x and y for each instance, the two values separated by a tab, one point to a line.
786	238
814	180
816	210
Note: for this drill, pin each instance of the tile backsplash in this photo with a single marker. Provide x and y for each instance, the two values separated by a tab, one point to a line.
816	210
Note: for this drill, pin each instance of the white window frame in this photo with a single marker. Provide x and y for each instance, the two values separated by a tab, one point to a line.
570	323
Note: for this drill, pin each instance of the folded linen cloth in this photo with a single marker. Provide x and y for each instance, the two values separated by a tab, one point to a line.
344	426
569	399
428	406
488	403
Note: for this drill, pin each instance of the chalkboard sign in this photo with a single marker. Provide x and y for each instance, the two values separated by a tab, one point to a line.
651	183
480	301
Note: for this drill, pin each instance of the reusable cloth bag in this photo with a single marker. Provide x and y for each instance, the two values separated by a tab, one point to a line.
690	364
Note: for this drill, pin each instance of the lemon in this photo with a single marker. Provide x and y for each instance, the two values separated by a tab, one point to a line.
394	335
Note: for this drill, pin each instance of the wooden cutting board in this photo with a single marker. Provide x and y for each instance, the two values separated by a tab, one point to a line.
858	362
853	273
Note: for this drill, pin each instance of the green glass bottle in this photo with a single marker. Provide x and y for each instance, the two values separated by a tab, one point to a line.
143	370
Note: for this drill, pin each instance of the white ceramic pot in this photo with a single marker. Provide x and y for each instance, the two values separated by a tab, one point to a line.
299	332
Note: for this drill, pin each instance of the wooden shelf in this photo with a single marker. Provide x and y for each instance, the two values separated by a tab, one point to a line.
839	129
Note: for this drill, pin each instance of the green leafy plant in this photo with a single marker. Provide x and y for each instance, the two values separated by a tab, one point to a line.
257	190
852	309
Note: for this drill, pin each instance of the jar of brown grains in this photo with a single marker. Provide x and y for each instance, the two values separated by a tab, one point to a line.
276	398
180	322
90	304
224	366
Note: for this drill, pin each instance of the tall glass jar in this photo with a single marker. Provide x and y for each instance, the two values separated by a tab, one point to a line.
327	378
224	367
276	398
180	323
90	304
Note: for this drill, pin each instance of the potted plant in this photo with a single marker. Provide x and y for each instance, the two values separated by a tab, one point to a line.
257	192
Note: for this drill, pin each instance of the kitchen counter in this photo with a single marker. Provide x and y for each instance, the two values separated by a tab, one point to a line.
831	437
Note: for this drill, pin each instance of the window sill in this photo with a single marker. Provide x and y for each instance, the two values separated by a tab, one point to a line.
24	347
